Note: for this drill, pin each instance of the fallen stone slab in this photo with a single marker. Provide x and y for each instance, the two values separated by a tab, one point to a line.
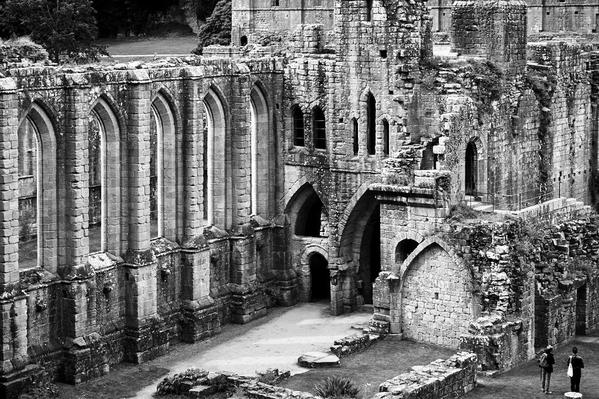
202	391
318	359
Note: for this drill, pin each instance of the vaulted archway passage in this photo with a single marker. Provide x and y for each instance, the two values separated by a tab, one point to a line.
361	244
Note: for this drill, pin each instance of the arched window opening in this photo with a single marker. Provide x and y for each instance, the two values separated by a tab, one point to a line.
319	278
429	158
156	168
356	137
96	173
243	40
319	135
471	168
385	138
261	197
371	124
368	10
298	126
206	127
404	249
310	219
216	174
29	153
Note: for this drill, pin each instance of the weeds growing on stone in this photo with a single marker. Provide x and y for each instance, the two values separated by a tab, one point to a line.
337	387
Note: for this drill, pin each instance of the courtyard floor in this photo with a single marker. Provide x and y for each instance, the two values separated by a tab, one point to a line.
143	49
277	340
274	341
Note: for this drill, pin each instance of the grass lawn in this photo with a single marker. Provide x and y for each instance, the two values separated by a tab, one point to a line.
142	48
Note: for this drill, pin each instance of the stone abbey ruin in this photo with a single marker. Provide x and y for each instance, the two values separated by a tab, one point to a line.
148	204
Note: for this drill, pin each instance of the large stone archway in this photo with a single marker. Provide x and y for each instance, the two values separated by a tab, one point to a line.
437	301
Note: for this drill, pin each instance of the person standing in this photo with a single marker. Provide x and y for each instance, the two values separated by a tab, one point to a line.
546	362
577	366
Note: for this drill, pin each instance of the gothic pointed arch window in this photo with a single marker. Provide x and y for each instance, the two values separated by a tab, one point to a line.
216	173
163	170
385	138
297	117
319	135
96	172
371	124
261	154
37	198
104	156
369	10
355	136
29	198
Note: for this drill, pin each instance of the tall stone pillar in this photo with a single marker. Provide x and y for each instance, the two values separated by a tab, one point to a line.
76	163
200	316
145	335
9	184
248	301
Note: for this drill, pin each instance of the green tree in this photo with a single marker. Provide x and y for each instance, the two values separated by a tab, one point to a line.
66	28
217	29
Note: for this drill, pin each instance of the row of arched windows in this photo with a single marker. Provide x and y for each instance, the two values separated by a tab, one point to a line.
319	128
38	192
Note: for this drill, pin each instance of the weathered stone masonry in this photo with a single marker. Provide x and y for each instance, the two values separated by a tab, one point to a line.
325	167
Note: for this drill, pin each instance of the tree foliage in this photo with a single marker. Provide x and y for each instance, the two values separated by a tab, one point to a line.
66	28
217	29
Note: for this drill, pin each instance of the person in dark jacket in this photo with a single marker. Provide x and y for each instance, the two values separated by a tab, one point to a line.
577	366
546	363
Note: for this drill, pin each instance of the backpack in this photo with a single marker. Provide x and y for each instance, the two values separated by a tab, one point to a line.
543	361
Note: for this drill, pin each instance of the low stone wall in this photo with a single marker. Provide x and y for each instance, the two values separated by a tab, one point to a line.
450	378
354	343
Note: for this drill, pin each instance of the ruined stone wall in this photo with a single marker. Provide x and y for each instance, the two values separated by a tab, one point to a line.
86	311
251	18
548	16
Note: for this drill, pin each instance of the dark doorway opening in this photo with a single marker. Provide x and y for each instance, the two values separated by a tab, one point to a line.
319	276
370	254
581	310
404	249
471	169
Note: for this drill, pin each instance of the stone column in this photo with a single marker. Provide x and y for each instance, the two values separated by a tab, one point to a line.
247	302
145	336
9	184
76	163
200	316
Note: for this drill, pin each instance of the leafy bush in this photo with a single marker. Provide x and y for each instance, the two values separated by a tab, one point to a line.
180	383
217	29
336	387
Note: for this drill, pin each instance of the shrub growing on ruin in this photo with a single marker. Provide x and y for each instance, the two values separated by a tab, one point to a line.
336	387
66	28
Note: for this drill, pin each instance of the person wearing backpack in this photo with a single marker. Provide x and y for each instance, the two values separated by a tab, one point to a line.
575	366
546	362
